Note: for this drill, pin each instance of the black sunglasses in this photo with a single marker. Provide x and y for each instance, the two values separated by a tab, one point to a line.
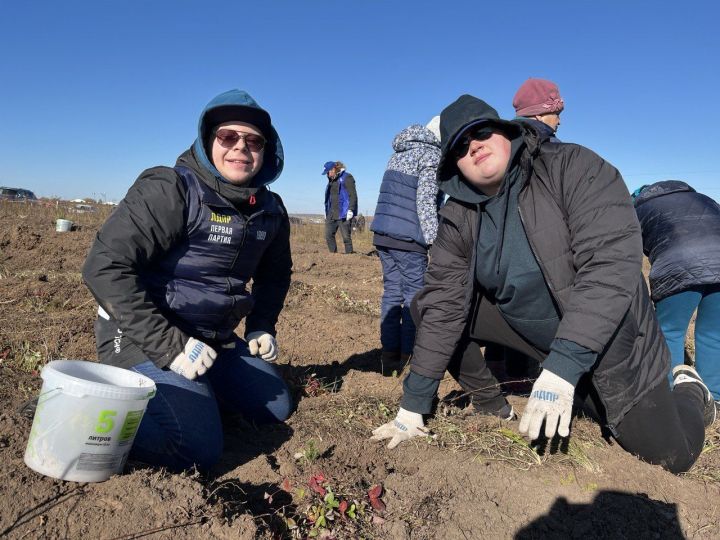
229	138
461	147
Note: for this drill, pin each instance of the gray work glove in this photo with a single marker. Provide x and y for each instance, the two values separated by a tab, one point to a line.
551	400
405	426
195	360
349	215
263	344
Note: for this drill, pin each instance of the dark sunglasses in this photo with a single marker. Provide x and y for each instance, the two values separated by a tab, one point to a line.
461	147
229	138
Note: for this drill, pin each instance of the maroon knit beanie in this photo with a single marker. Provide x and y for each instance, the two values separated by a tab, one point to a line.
538	96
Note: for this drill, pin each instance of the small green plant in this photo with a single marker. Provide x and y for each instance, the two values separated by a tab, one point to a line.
323	515
385	411
310	452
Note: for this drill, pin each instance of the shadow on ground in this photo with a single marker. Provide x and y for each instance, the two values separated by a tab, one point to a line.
613	514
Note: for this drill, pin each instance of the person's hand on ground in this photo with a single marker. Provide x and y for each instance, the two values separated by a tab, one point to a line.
195	360
262	344
551	400
405	426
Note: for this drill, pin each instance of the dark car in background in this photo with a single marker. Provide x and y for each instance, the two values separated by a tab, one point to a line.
17	195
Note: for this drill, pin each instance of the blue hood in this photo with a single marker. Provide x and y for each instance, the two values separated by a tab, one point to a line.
238	105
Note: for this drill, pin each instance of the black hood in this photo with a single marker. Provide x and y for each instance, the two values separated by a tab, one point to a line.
464	112
659	189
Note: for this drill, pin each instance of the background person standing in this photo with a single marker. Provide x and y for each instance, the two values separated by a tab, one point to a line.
340	204
405	226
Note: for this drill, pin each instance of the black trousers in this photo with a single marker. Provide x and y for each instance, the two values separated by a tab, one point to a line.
665	427
331	227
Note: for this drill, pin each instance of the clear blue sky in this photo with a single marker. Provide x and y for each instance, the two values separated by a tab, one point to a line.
92	93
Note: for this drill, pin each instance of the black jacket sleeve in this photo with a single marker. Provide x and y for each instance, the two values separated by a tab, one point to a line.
606	246
271	281
145	225
444	301
352	194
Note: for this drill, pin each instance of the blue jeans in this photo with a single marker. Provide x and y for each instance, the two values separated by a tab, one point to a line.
674	314
182	426
403	277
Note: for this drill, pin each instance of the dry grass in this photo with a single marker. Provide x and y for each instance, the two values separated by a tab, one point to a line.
314	233
492	439
55	209
707	472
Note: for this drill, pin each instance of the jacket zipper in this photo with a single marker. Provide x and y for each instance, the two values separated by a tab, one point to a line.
610	426
244	235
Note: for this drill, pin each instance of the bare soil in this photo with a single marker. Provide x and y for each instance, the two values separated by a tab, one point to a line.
475	479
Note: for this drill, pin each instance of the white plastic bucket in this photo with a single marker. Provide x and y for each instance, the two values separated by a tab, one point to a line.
86	419
63	225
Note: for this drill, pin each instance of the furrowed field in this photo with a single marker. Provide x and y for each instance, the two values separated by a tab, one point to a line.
318	475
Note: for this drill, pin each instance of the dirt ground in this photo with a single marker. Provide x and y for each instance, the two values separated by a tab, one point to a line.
475	479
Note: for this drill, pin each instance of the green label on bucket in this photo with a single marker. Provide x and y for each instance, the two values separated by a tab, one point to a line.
132	421
105	422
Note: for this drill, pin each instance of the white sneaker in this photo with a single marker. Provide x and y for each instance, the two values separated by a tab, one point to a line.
687	374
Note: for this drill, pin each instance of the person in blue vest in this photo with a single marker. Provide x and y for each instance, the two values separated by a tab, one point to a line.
340	205
681	237
405	226
170	270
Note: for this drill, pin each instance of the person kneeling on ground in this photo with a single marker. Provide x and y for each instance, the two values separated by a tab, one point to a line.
170	271
539	249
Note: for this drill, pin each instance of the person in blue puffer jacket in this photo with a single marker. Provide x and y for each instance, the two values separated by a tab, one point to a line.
405	226
681	237
170	270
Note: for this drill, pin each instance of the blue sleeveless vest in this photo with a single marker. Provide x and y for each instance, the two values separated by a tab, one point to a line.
343	198
201	283
396	212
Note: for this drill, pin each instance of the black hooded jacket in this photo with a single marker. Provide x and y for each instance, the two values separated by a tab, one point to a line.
578	218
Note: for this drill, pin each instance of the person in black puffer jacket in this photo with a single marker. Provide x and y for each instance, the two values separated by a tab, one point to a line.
170	270
681	237
539	249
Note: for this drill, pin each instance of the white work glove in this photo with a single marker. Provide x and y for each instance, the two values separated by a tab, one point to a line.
551	400
195	360
263	344
350	215
405	426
